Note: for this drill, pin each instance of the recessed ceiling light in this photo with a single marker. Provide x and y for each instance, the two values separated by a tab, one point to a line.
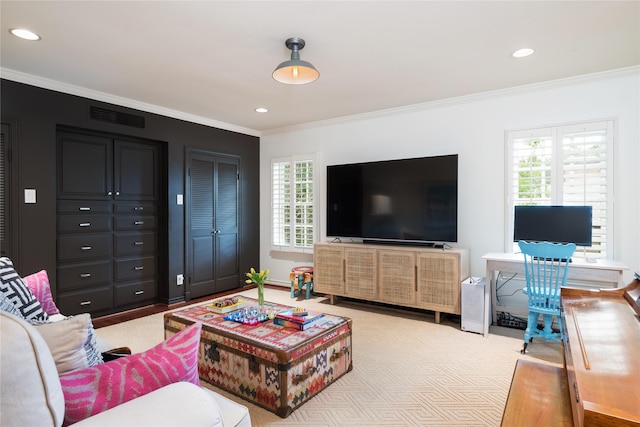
24	34
521	53
261	110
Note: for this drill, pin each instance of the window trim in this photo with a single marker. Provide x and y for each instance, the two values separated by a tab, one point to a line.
292	160
556	132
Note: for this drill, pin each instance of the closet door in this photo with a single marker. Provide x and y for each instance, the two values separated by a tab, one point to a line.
212	215
7	194
226	224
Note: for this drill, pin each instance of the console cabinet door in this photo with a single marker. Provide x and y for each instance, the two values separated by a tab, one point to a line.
361	271
397	277
439	282
328	271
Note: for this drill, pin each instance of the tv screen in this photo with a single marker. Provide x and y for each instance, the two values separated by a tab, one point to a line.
556	224
407	200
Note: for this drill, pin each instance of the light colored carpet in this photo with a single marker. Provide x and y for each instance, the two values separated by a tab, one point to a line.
407	370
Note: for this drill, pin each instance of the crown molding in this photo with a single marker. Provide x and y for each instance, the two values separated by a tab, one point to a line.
55	85
126	102
465	99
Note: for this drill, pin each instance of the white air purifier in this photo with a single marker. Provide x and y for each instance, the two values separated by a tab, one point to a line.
472	290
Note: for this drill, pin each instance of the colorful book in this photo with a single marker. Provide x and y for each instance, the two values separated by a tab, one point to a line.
296	325
291	316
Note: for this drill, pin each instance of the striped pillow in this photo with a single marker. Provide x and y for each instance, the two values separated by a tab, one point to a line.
92	390
6	305
16	291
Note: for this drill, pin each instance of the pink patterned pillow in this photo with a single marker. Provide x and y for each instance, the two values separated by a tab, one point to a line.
92	390
38	283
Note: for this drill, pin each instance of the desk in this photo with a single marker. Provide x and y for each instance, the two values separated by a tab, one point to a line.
604	273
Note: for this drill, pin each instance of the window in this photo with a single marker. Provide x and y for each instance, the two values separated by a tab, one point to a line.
564	165
293	227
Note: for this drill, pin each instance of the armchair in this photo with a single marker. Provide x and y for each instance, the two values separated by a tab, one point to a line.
32	392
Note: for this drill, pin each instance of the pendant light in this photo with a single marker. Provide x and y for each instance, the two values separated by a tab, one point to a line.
295	71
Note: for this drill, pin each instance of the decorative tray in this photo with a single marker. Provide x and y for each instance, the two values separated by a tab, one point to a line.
226	305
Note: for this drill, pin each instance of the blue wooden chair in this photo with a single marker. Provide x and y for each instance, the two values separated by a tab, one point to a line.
546	265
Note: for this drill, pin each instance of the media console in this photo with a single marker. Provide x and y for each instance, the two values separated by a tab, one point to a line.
409	276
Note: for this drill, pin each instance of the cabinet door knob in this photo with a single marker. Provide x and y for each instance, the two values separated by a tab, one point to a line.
117	193
109	193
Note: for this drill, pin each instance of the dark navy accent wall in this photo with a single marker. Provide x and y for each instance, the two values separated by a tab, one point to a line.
38	113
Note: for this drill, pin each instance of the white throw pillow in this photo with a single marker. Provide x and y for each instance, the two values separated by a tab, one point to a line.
72	342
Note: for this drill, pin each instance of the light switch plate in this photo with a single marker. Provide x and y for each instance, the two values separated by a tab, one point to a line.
29	195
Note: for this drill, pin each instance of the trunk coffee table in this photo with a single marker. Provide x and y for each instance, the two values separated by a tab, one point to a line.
273	366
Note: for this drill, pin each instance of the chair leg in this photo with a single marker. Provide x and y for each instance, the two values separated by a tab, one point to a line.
532	326
309	289
547	331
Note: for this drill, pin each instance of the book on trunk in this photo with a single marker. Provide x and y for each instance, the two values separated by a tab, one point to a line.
297	325
293	319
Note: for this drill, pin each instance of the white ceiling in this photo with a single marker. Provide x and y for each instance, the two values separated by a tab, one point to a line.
211	61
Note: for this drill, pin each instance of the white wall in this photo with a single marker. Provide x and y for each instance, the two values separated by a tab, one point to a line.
474	128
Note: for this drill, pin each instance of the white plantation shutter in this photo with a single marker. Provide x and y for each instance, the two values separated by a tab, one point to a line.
586	177
304	204
564	165
293	205
281	201
532	175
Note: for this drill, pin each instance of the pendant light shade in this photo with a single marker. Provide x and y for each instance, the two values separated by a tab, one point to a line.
295	71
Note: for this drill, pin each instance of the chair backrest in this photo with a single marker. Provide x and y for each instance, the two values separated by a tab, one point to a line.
546	265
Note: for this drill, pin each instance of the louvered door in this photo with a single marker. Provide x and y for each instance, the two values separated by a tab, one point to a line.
212	207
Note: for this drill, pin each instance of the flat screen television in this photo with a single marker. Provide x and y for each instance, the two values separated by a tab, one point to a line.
556	224
405	201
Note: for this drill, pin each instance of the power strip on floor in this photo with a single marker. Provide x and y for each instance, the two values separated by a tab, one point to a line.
509	321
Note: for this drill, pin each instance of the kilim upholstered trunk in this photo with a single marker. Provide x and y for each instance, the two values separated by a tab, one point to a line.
275	367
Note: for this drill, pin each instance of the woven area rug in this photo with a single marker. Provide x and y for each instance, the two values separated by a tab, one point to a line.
407	370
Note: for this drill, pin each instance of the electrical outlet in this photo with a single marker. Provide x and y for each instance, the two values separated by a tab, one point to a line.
180	279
